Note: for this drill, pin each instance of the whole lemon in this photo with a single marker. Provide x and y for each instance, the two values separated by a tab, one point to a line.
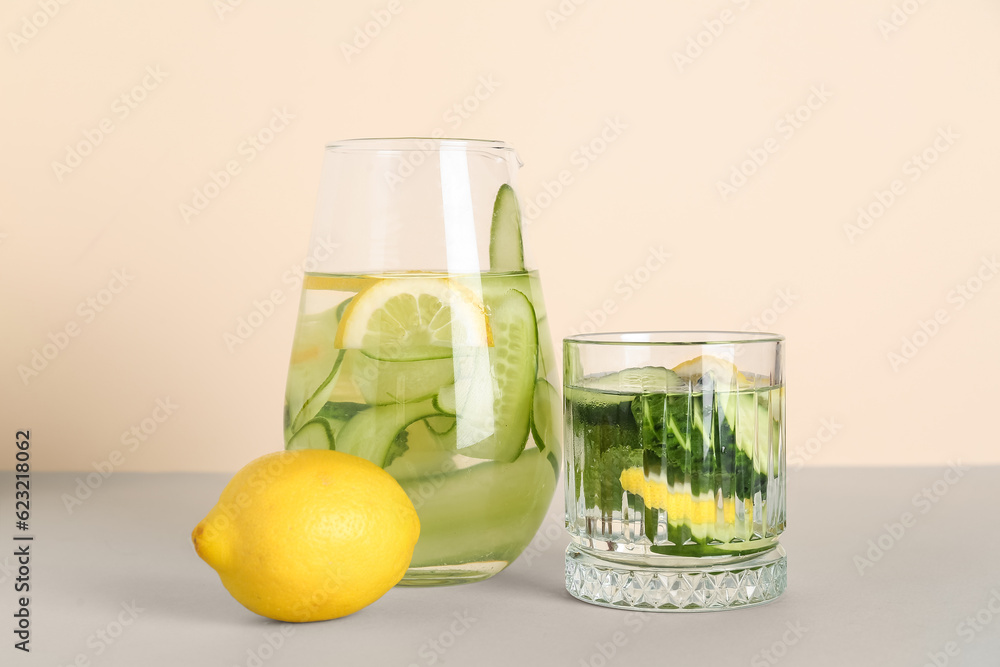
309	535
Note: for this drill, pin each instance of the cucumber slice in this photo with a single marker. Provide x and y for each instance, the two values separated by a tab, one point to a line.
495	285
314	367
337	415
545	368
371	433
553	460
443	425
545	427
315	402
445	400
314	435
423	439
382	382
340	413
331	417
512	363
488	511
756	433
427	453
474	397
506	249
618	387
644	380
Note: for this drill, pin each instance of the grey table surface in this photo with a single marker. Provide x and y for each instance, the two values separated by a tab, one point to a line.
895	566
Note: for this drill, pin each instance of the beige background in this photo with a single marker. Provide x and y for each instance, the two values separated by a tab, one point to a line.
683	127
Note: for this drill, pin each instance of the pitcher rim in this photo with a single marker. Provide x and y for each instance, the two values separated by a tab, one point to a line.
402	144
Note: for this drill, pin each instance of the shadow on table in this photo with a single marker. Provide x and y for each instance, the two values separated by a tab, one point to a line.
531	581
188	595
525	582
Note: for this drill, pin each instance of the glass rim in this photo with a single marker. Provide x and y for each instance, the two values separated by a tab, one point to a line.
401	144
666	338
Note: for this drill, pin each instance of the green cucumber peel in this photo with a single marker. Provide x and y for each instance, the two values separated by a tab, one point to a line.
372	433
318	398
545	427
315	434
506	247
513	365
385	382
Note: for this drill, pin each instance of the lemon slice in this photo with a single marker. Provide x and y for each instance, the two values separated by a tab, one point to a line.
413	318
723	372
679	505
316	281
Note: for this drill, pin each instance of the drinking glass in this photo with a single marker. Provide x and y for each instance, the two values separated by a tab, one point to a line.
422	345
675	469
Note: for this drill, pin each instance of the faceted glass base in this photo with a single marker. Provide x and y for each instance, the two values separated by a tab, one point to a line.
736	582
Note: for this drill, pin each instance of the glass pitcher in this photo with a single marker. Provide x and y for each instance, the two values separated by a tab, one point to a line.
422	345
